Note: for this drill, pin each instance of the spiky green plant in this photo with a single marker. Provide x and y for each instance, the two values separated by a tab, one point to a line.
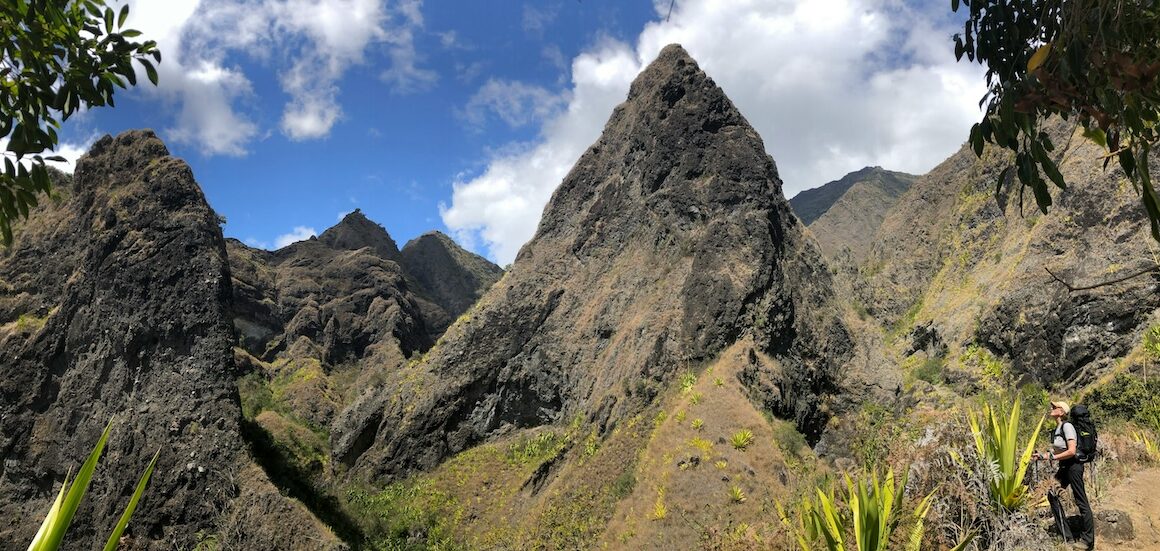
1150	447
736	494
698	423
56	522
688	379
997	441
741	439
873	512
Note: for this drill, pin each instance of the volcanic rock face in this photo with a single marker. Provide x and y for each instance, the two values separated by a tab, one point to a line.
125	295
450	277
668	241
847	224
968	269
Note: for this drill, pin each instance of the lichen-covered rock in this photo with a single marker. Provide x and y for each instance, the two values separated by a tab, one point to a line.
129	280
667	242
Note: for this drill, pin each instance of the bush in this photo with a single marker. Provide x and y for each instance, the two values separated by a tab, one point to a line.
1126	398
930	370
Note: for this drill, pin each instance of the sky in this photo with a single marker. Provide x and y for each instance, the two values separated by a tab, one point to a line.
464	116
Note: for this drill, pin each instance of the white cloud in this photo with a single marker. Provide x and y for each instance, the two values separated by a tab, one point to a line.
299	233
515	103
71	151
831	86
536	19
309	44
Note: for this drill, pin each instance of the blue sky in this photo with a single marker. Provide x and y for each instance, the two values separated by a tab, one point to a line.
463	116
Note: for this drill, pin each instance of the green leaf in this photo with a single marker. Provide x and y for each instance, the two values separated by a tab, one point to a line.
150	71
115	536
123	16
1096	135
977	140
76	491
1048	165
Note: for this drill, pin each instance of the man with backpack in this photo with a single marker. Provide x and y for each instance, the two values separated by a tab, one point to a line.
1073	445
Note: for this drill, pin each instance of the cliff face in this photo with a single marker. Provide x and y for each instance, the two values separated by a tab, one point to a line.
667	242
954	267
117	306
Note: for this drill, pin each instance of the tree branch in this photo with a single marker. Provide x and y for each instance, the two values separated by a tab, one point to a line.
1071	288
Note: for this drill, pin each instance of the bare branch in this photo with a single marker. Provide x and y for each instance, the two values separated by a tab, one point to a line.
1071	288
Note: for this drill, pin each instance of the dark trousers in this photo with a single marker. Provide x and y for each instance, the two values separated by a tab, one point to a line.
1070	475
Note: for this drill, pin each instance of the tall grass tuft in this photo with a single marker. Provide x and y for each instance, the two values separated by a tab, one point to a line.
56	522
997	441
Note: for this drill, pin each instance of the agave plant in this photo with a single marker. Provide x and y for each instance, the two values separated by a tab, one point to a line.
873	512
997	441
59	517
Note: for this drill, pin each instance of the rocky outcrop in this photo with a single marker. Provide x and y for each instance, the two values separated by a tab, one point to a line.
350	303
812	204
128	289
448	276
848	224
974	270
356	231
668	241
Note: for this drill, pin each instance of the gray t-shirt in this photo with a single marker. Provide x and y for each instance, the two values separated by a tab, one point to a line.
1063	433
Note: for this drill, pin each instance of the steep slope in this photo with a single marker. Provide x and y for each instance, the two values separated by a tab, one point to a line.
953	268
850	222
447	275
124	293
667	242
811	204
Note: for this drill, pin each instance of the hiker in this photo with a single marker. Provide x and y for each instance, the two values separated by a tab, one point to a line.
1070	472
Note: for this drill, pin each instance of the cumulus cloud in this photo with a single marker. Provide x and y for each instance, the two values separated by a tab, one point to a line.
831	86
513	102
70	151
299	233
310	44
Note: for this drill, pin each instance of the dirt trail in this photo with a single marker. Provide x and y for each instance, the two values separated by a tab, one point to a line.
1139	496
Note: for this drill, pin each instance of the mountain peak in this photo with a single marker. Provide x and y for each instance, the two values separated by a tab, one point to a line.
356	231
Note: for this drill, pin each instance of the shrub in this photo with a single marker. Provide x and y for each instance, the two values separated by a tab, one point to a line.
718	381
741	439
688	379
695	398
698	424
1127	398
930	370
997	442
787	437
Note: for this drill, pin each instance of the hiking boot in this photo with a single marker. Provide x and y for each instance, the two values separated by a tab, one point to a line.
1081	546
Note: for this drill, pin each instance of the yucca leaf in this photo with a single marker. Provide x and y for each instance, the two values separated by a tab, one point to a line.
76	492
115	537
966	541
50	519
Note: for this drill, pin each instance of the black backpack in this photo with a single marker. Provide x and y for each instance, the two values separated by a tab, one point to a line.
1086	439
